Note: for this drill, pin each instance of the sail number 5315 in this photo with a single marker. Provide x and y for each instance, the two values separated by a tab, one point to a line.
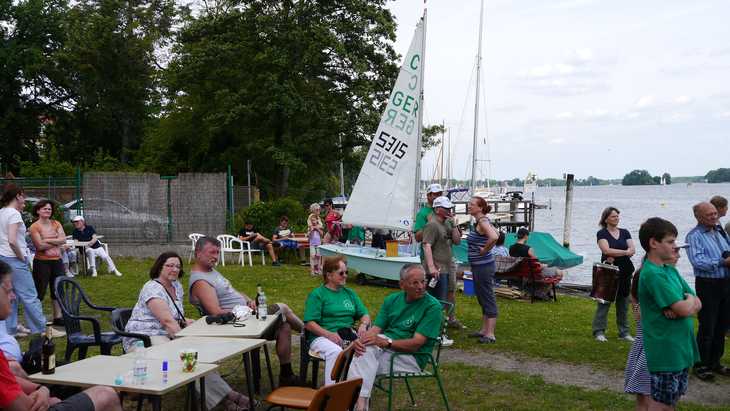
386	153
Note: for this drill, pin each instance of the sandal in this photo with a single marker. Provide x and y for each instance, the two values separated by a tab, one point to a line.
476	334
487	340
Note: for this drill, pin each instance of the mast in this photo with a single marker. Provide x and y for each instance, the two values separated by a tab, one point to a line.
417	193
476	104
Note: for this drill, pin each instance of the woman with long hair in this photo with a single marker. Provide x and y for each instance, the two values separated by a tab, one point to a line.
617	248
14	252
480	242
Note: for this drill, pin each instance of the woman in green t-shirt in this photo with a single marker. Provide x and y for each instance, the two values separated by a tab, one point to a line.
332	307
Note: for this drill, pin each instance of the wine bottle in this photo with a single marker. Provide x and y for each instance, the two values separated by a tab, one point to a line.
259	290
48	353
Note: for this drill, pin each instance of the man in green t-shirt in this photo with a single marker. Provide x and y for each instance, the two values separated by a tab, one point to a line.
423	217
409	321
667	306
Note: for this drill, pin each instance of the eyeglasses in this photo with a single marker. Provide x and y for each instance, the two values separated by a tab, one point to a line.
342	273
172	266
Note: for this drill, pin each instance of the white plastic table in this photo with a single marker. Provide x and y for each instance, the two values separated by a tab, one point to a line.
104	370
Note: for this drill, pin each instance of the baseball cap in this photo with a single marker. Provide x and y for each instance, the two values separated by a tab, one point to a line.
78	218
435	188
443	202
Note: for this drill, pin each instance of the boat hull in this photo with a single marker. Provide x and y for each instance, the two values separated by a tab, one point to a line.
370	261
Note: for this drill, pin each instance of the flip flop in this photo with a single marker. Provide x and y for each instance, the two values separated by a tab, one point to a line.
487	340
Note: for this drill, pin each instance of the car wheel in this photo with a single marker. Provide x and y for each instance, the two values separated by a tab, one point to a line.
152	231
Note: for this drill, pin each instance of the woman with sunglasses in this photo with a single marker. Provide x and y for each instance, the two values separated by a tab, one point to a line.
331	311
159	313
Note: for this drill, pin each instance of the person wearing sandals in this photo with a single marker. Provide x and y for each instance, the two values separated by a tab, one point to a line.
480	242
617	248
331	311
48	237
159	313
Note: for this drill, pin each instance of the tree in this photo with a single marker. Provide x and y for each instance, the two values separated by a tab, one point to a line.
720	175
638	178
279	82
429	137
667	178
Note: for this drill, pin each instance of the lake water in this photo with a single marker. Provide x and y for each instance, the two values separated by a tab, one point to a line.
637	203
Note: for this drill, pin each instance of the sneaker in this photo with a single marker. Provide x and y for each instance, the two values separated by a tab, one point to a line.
487	340
627	337
446	341
58	322
117	273
276	263
22	329
93	273
69	274
601	338
704	373
455	324
722	370
20	334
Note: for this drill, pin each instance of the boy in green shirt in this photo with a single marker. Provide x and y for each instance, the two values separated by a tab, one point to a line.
667	305
409	321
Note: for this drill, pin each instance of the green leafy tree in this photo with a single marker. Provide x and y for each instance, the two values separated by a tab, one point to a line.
667	178
720	175
638	178
280	83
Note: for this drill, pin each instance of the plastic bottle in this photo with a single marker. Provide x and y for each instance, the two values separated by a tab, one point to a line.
139	370
48	353
261	303
164	371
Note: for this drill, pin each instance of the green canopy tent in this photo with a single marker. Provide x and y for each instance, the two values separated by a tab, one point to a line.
544	246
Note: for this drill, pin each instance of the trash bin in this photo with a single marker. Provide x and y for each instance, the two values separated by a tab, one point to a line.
468	284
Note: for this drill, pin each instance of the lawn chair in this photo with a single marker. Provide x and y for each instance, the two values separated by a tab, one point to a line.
70	294
120	317
306	355
248	249
194	237
230	244
303	398
430	370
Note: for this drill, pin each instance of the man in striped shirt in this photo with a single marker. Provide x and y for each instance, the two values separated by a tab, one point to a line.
709	253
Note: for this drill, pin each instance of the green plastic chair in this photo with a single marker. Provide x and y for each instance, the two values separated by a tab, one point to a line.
430	369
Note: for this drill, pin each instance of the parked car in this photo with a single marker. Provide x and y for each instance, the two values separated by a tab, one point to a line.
113	219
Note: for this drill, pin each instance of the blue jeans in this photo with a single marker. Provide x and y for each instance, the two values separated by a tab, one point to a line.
442	287
26	294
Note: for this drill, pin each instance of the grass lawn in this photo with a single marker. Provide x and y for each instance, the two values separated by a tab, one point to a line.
557	331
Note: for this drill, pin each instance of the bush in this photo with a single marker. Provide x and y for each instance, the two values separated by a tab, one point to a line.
266	215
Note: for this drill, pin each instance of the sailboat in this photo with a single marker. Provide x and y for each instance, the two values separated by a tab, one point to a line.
386	193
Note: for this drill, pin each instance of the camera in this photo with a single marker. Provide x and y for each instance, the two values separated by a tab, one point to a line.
220	319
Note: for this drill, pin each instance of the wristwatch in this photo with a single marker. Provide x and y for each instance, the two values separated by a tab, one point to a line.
390	342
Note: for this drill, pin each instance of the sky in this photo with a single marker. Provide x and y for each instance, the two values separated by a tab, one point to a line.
589	87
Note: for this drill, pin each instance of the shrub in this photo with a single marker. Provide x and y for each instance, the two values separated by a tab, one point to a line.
265	215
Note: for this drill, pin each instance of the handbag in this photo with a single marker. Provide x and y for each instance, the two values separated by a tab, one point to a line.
181	322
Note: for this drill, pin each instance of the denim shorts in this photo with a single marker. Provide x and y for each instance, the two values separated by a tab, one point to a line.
668	387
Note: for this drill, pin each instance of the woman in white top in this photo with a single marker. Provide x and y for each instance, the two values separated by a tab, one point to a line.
159	313
14	251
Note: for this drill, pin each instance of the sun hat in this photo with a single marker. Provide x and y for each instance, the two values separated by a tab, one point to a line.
442	202
435	188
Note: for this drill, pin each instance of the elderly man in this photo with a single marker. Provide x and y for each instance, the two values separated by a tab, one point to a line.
423	217
709	253
409	321
86	233
212	292
19	394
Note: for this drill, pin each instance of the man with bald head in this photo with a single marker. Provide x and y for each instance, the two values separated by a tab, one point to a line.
709	253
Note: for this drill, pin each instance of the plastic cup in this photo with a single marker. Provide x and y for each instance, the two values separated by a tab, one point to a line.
189	358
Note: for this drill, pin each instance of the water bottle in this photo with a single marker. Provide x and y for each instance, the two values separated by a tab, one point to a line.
164	372
139	370
261	303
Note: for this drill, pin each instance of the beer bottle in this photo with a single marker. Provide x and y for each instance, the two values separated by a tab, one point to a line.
48	353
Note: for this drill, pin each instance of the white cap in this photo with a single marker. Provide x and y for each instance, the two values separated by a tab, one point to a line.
442	202
78	218
435	188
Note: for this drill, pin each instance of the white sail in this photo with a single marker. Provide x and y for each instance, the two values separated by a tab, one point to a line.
383	196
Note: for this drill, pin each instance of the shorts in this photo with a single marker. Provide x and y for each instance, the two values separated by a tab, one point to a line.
45	273
287	244
77	402
668	387
452	277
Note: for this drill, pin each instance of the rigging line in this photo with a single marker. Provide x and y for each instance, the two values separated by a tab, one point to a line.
460	129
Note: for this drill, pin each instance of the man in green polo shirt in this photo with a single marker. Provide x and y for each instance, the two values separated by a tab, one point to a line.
423	217
667	306
409	321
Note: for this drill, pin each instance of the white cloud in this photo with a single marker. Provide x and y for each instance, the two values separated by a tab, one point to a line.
566	115
682	100
558	140
645	102
724	114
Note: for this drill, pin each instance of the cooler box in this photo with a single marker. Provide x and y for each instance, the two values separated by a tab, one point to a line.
468	284
391	248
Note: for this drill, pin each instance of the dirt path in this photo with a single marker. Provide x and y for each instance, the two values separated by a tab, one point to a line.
583	376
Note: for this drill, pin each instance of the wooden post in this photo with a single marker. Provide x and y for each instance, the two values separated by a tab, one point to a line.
568	210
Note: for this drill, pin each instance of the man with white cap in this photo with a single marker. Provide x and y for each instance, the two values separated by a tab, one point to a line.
422	218
86	233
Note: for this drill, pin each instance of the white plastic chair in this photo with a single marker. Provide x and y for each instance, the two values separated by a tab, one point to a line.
250	250
230	244
88	258
194	237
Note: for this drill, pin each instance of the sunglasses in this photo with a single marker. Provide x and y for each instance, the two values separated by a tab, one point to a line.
342	273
